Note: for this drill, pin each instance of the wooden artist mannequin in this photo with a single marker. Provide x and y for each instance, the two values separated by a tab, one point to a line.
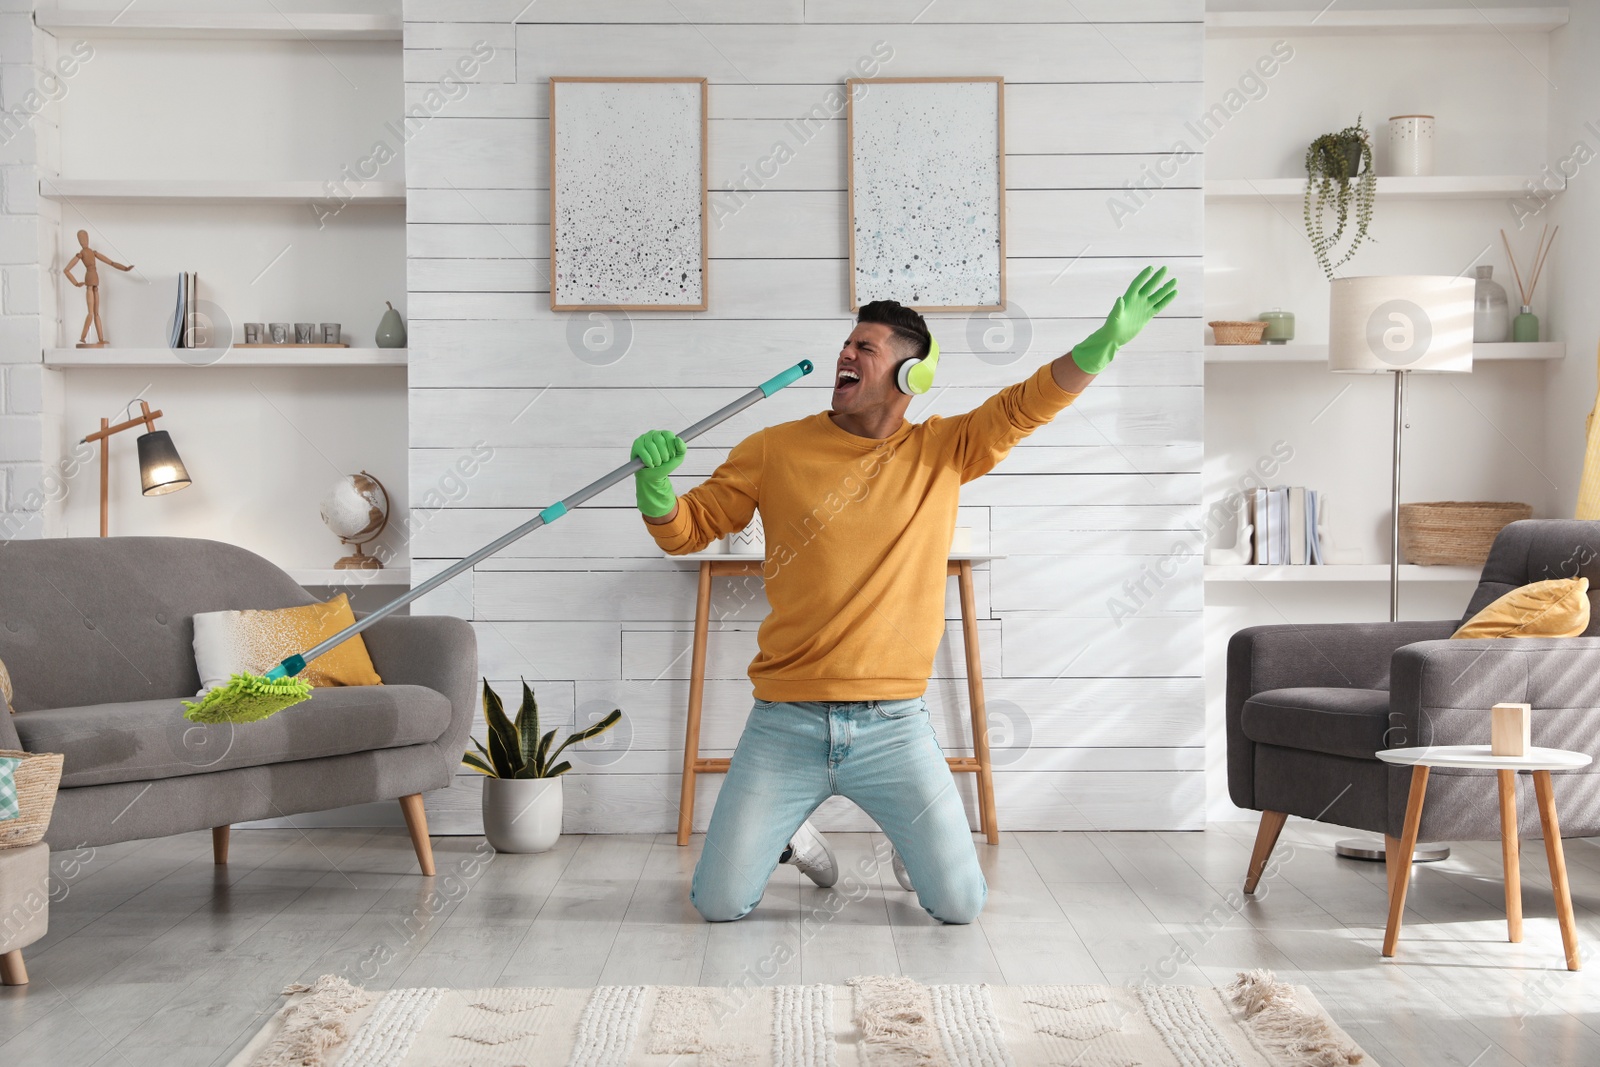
91	281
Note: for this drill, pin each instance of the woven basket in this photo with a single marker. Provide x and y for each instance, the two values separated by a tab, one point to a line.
1231	332
38	776
1455	532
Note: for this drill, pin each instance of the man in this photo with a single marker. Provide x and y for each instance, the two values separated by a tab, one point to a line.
859	507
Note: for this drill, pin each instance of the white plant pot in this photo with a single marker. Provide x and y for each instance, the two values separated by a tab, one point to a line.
522	815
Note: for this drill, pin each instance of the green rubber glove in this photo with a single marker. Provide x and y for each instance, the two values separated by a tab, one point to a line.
660	451
1130	314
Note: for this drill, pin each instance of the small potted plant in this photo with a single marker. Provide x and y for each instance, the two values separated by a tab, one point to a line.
522	786
1339	177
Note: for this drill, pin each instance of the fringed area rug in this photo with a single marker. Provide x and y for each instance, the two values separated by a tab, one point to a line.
869	1022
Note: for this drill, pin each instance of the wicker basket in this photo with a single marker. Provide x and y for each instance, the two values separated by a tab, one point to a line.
1455	532
1231	332
38	776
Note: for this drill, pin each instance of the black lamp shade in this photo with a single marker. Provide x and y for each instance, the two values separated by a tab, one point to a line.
161	469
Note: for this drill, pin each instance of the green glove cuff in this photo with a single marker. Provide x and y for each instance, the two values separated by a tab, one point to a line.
1094	353
654	493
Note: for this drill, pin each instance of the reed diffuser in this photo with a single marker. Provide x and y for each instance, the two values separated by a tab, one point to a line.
1525	327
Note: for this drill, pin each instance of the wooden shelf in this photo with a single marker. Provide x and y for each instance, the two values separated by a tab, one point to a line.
1294	352
1323	21
1358	572
206	25
1429	187
331	577
287	356
189	191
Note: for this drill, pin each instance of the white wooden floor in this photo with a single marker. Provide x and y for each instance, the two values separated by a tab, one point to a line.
156	957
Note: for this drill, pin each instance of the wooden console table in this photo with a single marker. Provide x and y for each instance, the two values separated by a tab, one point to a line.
732	565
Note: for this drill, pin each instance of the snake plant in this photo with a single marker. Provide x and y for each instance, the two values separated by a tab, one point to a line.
516	749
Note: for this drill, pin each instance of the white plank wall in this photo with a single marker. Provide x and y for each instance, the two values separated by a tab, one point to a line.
1097	721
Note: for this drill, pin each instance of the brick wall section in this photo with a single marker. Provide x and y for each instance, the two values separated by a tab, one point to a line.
30	394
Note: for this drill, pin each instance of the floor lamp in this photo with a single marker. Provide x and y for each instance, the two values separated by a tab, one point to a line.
161	470
1400	325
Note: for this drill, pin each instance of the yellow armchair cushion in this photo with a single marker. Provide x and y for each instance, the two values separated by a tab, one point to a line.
1555	608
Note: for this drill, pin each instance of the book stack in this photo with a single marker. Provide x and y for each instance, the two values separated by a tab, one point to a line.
185	317
1288	522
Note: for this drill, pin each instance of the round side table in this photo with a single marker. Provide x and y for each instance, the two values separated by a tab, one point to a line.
1540	761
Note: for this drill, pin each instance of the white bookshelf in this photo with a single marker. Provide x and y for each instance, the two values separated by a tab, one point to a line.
1428	187
1330	20
152	358
221	25
1350	572
188	191
1295	352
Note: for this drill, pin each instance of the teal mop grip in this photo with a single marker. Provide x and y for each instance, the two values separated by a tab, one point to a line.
788	377
553	512
288	668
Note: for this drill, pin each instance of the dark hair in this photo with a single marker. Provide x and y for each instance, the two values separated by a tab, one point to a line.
907	325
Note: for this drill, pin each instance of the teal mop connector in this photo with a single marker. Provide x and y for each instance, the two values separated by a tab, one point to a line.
287	669
788	377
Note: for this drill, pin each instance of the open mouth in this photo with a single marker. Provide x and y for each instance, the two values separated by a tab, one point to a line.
848	379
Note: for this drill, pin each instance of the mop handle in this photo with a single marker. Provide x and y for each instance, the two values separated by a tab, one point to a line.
296	663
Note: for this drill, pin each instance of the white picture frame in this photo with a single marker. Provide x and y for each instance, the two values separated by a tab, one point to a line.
628	194
926	192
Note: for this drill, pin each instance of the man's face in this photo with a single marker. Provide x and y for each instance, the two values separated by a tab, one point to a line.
863	378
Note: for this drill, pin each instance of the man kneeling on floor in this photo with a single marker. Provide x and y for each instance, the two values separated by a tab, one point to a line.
859	507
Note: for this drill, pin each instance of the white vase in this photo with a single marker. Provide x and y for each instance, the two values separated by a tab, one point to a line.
1411	145
751	539
522	814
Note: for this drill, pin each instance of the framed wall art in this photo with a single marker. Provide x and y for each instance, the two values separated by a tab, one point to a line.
926	191
628	193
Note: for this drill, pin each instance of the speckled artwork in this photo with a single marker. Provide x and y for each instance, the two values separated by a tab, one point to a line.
926	195
628	193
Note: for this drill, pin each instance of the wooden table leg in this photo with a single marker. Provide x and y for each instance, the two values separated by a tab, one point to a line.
1401	867
1545	793
697	691
1391	858
980	716
1511	854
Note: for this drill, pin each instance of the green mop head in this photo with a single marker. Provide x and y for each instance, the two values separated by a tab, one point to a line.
246	698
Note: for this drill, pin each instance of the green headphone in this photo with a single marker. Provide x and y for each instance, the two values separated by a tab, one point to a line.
915	376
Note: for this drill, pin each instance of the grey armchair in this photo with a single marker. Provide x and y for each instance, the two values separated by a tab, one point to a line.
1309	706
98	634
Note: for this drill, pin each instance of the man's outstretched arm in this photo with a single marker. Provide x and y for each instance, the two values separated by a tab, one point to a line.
1149	294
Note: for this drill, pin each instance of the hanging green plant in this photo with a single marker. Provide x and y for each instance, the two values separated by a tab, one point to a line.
1339	176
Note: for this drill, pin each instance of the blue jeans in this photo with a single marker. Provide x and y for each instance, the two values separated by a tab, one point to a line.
881	754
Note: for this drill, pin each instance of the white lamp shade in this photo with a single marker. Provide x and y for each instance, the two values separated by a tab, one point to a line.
1411	322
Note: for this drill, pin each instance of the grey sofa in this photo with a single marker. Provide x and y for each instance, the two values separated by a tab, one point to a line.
98	635
1309	706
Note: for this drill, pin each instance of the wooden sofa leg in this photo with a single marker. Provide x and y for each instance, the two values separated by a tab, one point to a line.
12	972
219	845
1266	837
417	823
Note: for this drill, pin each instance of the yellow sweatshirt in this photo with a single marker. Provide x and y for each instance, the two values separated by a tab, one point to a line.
858	537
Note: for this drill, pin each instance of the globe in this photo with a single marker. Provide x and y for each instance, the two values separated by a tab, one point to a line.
356	509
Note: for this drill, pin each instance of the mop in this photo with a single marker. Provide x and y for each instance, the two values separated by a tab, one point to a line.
248	697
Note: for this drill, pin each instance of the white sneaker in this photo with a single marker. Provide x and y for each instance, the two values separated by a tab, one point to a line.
900	874
809	851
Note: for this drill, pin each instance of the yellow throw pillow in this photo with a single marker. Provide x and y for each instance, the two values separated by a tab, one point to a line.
1555	608
5	688
226	642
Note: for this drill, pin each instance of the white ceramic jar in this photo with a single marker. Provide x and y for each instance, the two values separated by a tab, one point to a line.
1411	145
